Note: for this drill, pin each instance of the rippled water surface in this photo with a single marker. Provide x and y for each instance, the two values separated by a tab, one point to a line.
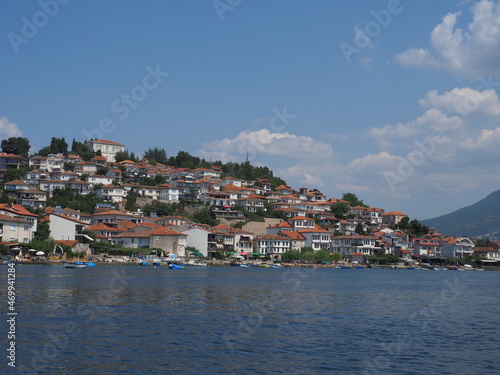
229	320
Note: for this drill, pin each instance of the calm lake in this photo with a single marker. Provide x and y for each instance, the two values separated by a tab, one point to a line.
229	320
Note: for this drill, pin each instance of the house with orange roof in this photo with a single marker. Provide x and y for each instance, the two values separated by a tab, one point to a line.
99	180
243	240
99	160
392	218
297	240
231	181
355	246
85	167
111	193
457	247
168	193
302	222
67	176
21	229
80	187
15	229
272	244
66	228
50	163
285	190
108	148
169	241
199	239
427	246
32	198
10	161
317	238
116	174
49	186
204	172
105	230
113	216
15	186
136	237
489	253
252	203
373	215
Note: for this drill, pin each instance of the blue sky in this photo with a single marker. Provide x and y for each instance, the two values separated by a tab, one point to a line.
408	121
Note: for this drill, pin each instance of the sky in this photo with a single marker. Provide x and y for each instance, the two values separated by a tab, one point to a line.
395	101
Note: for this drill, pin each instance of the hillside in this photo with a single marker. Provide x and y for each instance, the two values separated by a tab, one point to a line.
482	219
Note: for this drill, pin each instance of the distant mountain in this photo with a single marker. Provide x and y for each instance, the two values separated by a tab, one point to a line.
482	219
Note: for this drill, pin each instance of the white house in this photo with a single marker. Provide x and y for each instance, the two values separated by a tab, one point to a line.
111	193
108	148
272	244
65	227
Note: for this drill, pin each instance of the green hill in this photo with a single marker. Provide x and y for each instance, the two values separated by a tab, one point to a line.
482	219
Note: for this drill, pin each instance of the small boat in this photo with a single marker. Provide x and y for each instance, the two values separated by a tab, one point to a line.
345	267
244	265
175	267
156	264
276	266
144	264
410	268
265	265
75	265
360	267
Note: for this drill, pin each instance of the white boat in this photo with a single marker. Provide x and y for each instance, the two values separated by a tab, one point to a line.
75	265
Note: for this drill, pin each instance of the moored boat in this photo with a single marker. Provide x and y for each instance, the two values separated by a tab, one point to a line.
75	265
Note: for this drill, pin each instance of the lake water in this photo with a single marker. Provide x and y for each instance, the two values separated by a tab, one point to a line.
229	320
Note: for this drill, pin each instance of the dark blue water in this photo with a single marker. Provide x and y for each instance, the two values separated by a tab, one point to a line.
228	320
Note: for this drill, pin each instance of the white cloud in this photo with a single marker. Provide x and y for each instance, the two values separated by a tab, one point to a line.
473	51
306	175
266	143
9	129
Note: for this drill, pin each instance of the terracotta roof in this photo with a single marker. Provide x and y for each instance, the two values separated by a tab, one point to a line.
106	141
165	231
394	213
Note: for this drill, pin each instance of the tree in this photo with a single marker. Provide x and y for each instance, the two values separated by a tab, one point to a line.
125	155
339	209
359	229
131	199
101	171
15	174
16	145
337	257
353	199
205	216
42	231
291	255
159	155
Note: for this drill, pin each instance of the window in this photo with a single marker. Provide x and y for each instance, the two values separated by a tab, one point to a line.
12	227
26	228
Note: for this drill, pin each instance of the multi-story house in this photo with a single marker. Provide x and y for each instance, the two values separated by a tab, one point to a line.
22	229
355	246
457	247
168	193
111	193
392	218
31	198
272	244
65	227
169	241
372	215
108	148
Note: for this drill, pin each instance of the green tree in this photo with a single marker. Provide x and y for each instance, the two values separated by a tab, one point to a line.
359	229
16	145
159	155
131	200
353	199
339	209
336	257
15	174
291	255
42	231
